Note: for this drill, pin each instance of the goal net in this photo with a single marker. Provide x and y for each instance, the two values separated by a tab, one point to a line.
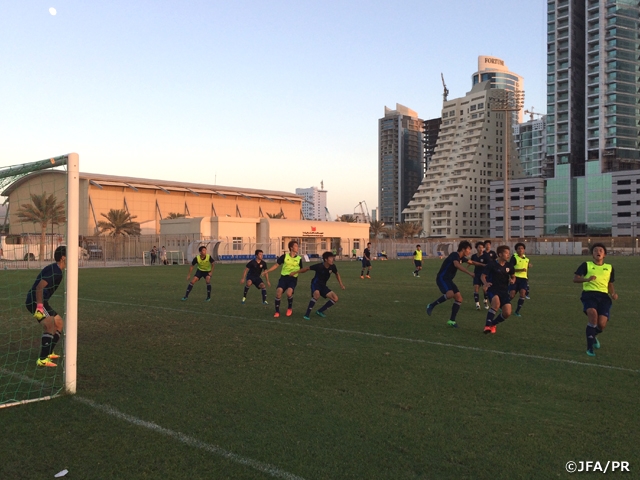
39	213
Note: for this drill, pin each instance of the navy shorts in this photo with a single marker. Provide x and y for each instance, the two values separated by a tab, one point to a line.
521	284
255	281
286	282
504	296
446	285
366	263
49	312
477	279
599	301
200	274
417	263
323	289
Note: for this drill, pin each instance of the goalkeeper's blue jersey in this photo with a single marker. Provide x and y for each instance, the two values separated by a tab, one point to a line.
52	274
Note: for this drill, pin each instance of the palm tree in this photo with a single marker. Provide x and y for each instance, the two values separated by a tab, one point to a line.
119	223
408	229
173	215
44	209
376	227
348	218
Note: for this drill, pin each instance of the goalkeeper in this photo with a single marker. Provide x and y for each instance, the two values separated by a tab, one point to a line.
47	282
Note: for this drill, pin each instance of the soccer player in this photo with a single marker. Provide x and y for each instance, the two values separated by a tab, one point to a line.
290	262
204	261
417	261
496	278
319	284
521	266
597	280
252	273
487	250
366	261
47	282
480	259
444	280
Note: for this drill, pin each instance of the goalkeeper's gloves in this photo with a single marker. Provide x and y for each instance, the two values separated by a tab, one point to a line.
40	312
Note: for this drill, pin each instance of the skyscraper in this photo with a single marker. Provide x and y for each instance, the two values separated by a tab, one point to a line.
593	114
401	162
315	205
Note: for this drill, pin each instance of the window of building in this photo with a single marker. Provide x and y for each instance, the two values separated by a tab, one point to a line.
515	189
499	190
624	214
529	207
356	244
499	199
624	182
624	203
529	197
499	219
529	189
515	197
515	217
237	243
625	192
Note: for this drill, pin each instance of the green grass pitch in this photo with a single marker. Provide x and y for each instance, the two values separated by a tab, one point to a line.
375	390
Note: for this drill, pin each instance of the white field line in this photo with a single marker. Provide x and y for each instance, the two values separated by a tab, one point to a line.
376	335
190	441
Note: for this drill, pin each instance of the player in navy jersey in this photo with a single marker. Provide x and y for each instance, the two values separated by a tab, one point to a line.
487	250
319	286
444	280
366	261
480	260
47	282
252	276
496	278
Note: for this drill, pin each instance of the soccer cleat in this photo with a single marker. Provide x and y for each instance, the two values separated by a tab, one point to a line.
596	343
362	277
289	312
414	274
452	324
486	306
368	276
53	356
487	329
306	317
184	299
244	299
208	299
517	314
265	303
320	314
429	309
493	329
276	315
477	306
528	297
418	275
45	363
591	353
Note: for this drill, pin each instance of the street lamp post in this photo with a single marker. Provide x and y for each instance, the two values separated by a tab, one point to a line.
507	101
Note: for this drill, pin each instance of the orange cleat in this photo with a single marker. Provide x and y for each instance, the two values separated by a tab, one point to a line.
289	312
53	356
276	315
368	276
493	329
487	329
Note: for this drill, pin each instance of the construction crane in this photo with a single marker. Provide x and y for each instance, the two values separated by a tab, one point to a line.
531	113
446	90
365	216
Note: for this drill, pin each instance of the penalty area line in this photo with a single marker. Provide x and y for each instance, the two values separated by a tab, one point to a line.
378	335
190	441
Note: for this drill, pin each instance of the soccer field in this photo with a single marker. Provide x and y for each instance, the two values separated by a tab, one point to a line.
182	390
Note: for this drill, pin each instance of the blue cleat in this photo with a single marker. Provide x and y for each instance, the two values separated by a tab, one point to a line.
321	314
306	317
429	309
517	314
591	353
208	299
184	299
596	343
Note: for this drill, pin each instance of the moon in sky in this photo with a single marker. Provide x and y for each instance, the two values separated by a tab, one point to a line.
52	11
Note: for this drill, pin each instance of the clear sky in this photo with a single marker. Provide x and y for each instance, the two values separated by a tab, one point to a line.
273	95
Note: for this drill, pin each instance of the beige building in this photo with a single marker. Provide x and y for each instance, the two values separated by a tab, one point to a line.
453	198
236	219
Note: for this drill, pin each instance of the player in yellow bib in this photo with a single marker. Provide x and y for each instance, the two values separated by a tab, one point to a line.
204	261
417	261
597	280
521	266
291	262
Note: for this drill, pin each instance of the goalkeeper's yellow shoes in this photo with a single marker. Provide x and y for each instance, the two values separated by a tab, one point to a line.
45	363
